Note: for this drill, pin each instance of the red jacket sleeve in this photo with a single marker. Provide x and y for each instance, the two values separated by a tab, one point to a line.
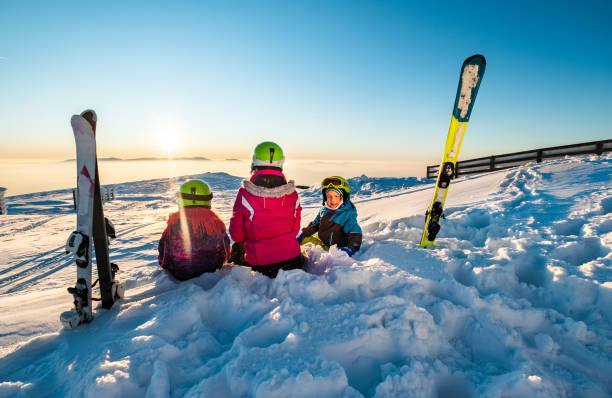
236	228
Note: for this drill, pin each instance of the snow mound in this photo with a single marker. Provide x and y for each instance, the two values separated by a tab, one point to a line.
514	300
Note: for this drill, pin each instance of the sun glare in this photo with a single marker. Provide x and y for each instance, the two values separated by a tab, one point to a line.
168	141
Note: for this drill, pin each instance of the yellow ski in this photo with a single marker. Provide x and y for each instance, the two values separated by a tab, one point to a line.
471	75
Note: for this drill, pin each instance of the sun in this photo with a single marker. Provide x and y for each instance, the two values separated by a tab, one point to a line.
168	141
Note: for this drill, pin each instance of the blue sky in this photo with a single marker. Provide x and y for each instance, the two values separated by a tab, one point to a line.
325	79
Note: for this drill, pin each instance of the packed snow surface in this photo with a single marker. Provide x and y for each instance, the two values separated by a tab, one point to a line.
515	299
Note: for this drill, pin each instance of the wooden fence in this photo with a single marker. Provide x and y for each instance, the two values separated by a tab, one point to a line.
107	193
505	161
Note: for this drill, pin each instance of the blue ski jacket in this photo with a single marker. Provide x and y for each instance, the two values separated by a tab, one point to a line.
337	227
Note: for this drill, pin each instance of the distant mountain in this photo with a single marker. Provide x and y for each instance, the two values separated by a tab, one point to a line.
192	158
104	159
147	159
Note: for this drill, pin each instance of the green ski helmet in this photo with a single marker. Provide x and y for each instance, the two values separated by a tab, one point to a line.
195	193
268	154
336	182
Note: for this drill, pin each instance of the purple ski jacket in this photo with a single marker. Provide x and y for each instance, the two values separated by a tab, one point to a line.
193	244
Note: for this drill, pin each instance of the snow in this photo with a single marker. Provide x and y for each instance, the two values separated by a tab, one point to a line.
515	299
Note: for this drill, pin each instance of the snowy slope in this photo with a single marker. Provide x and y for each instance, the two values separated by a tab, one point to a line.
514	300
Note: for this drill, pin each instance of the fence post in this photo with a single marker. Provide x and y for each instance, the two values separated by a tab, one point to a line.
2	201
599	148
492	163
539	156
108	194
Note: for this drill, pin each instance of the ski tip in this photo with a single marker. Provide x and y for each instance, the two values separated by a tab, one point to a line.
90	113
90	116
75	120
476	59
79	123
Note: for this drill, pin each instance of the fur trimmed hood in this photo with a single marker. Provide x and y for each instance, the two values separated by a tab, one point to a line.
263	192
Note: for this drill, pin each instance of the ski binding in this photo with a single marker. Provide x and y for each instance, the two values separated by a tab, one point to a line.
75	316
78	244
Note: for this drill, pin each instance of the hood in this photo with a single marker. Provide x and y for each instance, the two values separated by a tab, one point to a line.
263	192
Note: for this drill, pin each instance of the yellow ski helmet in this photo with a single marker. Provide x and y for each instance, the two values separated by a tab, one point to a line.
338	183
195	193
268	154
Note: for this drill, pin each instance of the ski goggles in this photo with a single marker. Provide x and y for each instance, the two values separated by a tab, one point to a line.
336	182
194	197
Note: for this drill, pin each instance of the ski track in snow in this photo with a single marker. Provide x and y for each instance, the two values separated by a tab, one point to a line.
514	300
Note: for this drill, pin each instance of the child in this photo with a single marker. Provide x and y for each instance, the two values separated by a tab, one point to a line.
266	216
336	222
195	240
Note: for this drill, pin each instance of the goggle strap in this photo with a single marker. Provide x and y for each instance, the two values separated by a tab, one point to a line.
342	187
194	197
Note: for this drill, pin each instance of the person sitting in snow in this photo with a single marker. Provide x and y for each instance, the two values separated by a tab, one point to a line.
336	223
266	216
195	240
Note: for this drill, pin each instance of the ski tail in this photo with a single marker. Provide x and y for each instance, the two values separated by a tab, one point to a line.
470	78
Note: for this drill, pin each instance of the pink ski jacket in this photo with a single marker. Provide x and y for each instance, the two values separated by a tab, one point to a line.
267	220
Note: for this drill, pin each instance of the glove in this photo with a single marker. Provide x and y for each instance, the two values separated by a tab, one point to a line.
350	250
300	237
